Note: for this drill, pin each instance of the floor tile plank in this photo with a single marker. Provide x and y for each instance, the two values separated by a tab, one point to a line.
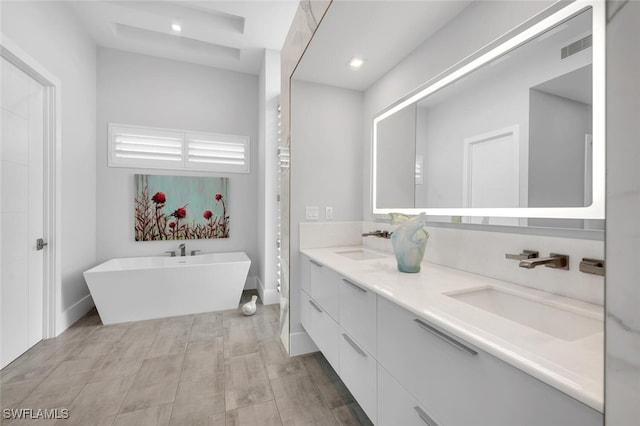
263	414
246	381
153	416
300	402
155	383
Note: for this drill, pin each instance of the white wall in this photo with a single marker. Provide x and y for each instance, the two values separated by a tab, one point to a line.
622	382
326	160
268	177
148	91
50	33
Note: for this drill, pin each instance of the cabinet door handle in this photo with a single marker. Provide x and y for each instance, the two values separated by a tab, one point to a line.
354	285
439	334
425	417
313	262
354	345
316	307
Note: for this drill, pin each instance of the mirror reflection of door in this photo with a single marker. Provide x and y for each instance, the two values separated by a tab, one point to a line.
22	206
491	173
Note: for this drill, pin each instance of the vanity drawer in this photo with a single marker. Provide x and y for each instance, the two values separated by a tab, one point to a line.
462	385
396	406
325	288
358	372
325	333
358	314
305	274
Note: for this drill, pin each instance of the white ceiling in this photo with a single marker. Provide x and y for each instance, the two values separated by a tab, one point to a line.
382	32
228	34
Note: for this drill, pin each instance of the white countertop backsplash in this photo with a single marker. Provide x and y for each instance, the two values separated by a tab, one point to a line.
456	260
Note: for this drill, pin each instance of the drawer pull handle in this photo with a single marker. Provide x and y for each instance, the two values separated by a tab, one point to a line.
313	262
354	285
316	307
425	417
354	345
446	338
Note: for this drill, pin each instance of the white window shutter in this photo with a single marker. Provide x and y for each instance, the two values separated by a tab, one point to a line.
206	151
145	147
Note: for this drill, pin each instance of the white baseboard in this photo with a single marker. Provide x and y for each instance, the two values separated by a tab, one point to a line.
250	283
269	296
300	343
67	318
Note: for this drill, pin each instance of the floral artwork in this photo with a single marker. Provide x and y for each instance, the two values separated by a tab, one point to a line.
180	208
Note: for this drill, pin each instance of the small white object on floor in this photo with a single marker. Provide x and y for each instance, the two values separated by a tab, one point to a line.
249	308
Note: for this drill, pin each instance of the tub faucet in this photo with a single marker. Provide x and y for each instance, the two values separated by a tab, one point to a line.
183	249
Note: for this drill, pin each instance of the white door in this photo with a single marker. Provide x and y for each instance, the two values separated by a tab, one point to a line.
22	207
491	172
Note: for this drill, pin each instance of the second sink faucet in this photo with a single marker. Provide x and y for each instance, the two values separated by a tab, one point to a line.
378	233
555	260
183	249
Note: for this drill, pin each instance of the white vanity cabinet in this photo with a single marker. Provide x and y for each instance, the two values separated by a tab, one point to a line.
340	317
458	384
404	370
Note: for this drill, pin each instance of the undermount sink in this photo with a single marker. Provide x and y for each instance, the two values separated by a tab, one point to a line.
563	322
359	254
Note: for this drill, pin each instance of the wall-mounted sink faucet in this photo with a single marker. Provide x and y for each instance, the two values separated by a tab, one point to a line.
183	249
378	233
555	260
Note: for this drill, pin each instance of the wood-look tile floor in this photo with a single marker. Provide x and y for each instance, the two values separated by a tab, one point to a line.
218	368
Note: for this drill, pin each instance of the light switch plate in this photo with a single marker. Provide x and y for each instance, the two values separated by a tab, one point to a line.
328	213
311	213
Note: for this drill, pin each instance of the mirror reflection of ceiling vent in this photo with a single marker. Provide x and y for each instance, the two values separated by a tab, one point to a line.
576	46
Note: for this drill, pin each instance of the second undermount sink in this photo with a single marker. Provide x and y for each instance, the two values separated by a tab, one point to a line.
563	322
359	254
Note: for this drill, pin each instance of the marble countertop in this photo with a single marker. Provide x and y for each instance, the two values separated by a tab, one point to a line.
575	367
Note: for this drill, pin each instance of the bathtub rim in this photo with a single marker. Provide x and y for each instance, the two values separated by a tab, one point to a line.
107	266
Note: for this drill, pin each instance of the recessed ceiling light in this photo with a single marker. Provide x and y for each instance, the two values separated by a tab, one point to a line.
176	28
356	63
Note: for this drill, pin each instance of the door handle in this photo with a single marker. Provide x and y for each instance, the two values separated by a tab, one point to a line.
40	244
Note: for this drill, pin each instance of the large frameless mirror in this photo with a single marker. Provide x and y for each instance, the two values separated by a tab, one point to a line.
516	133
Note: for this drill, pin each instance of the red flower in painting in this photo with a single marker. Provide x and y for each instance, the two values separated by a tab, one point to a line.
207	214
159	198
172	225
179	213
218	197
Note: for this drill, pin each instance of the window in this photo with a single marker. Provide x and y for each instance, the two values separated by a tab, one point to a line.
146	147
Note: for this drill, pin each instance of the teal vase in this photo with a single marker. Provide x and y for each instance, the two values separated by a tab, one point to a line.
409	242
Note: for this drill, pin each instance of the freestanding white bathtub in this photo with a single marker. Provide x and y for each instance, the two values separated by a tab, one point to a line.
139	288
